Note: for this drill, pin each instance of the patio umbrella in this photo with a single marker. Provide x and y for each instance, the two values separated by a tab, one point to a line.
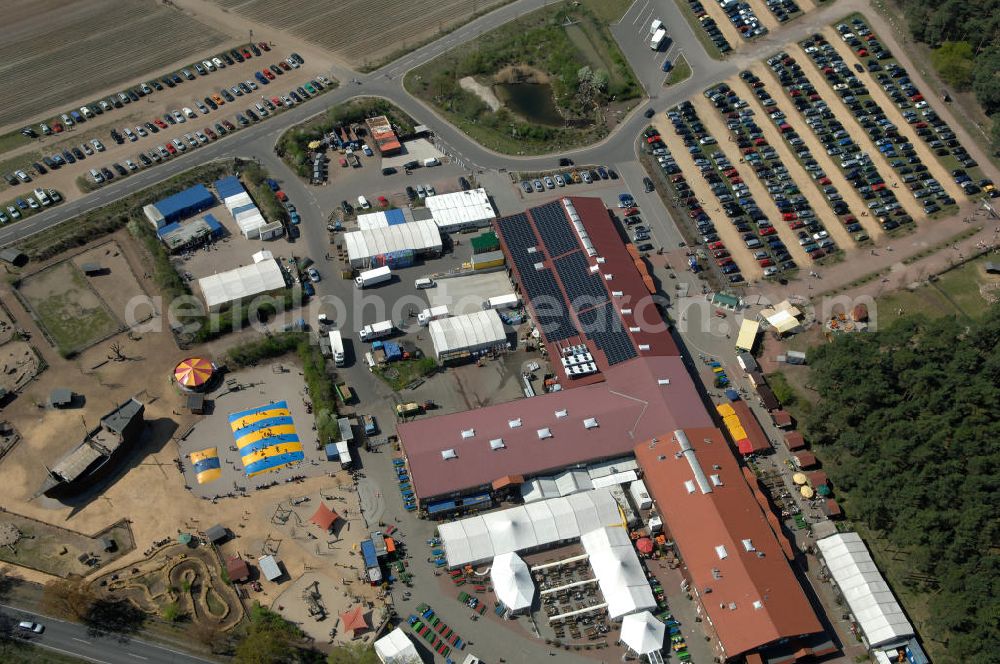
184	538
354	619
823	490
799	478
642	633
645	545
193	372
807	492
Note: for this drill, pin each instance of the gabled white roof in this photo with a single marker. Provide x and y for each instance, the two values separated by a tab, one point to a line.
476	331
512	581
618	570
396	648
417	235
869	596
460	207
242	282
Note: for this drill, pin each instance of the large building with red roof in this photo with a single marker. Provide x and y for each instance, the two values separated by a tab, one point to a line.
737	566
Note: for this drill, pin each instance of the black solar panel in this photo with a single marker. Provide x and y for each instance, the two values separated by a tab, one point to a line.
583	287
604	327
551	222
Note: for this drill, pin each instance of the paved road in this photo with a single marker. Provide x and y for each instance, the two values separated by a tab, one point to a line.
78	641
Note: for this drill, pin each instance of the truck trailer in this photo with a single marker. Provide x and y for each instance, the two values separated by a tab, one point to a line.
656	41
337	347
434	313
508	301
376	331
372	277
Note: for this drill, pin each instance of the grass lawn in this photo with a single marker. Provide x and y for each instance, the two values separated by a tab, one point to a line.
954	293
706	42
400	374
21	161
575	35
681	71
70	311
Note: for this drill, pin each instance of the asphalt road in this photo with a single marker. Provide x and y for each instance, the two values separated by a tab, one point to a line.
78	641
631	33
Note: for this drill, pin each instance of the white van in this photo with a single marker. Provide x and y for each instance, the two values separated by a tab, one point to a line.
431	161
655	25
96	175
363	203
370	361
423	283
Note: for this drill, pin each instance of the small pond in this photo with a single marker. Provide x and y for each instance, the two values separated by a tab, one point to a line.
532	101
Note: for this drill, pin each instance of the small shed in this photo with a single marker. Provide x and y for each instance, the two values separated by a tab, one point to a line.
767	398
805	460
92	269
818	478
270	567
13	256
108	544
992	267
782	419
832	509
196	403
61	398
332	454
237	569
217	533
794	441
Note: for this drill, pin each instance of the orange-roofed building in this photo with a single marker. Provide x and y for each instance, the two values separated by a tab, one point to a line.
747	592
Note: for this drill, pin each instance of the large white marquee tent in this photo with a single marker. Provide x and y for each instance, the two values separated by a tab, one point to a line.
618	570
512	581
483	537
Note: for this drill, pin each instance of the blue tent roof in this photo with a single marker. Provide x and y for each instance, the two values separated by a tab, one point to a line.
214	224
185	203
368	553
229	186
394	217
331	452
732	395
244	208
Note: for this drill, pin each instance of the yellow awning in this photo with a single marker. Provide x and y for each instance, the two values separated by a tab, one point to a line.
748	335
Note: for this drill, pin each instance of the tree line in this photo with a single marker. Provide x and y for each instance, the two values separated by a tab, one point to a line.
907	426
965	36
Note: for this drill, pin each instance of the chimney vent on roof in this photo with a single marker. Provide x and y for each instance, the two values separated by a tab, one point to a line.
662	381
760	554
758	604
609	277
617	293
590	423
539	267
544	433
600	259
626	312
448	454
643	346
513	424
561	413
732	606
716	467
468	433
497	444
594	268
532	250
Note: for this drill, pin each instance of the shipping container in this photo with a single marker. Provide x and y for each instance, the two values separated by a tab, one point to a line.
508	301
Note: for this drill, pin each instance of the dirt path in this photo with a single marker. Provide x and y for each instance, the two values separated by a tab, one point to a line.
809	187
831	168
723	226
857	134
713	121
880	97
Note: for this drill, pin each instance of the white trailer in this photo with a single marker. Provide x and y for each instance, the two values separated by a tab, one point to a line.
372	277
658	38
337	347
376	331
434	313
508	301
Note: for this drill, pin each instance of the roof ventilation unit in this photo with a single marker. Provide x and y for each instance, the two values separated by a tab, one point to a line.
468	433
497	444
544	433
513	424
449	454
590	423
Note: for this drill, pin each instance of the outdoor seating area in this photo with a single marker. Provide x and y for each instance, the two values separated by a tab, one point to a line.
405	488
428	626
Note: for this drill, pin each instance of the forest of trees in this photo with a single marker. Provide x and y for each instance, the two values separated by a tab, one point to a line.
908	427
966	36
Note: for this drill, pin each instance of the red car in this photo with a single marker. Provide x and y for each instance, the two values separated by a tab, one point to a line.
789	216
770	230
720	253
268	74
57	127
281	196
160	123
171	149
284	65
382	201
631	212
716	245
229	125
211	134
276	101
263	46
247	54
797	224
723	262
766	262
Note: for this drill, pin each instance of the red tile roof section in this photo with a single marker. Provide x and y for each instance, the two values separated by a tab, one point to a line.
701	522
758	440
629	406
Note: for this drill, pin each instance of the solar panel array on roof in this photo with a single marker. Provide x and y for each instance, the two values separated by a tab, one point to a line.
540	285
605	329
583	287
550	220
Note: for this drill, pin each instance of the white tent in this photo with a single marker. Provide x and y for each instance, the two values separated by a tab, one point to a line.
643	633
512	581
482	537
421	237
461	209
870	598
478	331
396	648
244	282
619	573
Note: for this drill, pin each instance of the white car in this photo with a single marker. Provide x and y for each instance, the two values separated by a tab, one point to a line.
142	132
131	165
130	134
313	274
363	203
33	627
188	112
208	65
97	145
32	203
179	117
201	137
179	145
219	64
250	84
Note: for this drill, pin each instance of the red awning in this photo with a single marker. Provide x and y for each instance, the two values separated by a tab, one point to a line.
744	446
354	620
324	517
644	544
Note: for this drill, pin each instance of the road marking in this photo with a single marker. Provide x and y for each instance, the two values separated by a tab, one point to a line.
132	654
72	654
81	641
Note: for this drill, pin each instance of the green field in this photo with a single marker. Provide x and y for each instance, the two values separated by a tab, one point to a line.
680	73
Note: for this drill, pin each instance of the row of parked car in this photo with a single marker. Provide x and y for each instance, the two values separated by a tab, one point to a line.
796	144
856	165
25	205
710	27
773	174
119	100
895	147
743	18
733	194
928	125
562	179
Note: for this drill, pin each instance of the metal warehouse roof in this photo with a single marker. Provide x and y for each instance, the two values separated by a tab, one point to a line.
460	207
870	598
189	201
481	329
246	281
418	236
228	186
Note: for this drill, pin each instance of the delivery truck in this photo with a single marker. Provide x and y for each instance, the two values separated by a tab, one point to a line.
434	313
376	331
371	277
658	38
508	301
337	347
